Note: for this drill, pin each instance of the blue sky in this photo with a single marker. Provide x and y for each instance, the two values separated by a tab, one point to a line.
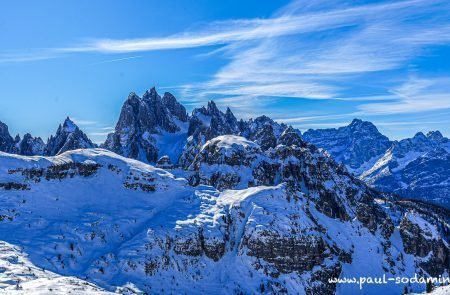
312	64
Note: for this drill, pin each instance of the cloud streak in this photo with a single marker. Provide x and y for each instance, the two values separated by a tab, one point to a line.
313	50
416	95
334	54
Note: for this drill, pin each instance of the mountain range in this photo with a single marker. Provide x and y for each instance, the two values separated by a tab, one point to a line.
205	203
155	129
417	167
68	137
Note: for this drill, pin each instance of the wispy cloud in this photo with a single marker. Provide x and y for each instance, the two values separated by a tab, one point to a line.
118	59
307	50
318	52
416	95
81	122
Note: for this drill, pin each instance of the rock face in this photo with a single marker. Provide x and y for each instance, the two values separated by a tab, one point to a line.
357	145
417	167
125	225
205	124
420	238
6	141
68	137
28	146
143	118
164	163
233	162
263	131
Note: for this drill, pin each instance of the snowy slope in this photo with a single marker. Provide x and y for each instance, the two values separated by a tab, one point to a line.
120	223
19	276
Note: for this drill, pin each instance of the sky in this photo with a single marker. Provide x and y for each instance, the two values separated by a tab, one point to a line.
310	63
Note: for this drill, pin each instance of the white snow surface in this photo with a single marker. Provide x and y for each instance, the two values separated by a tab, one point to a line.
19	276
124	225
231	141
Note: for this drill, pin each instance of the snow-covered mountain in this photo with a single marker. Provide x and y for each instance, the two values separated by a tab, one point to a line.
27	146
358	145
149	128
232	206
417	167
205	124
155	127
68	137
119	223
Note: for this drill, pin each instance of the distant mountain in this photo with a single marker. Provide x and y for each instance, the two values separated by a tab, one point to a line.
68	137
155	127
28	146
357	145
417	167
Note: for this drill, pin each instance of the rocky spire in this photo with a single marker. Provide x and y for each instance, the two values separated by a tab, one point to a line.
6	140
175	108
31	146
68	137
142	118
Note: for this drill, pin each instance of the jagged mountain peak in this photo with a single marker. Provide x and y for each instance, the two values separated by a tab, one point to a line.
67	137
151	94
359	123
291	136
6	140
141	120
436	135
420	136
28	145
212	107
356	145
133	97
4	130
176	108
262	120
69	126
356	122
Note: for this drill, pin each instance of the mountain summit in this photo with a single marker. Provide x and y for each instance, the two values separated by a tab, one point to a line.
357	145
417	167
68	137
142	120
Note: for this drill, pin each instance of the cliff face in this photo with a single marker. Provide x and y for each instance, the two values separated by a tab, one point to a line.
142	121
